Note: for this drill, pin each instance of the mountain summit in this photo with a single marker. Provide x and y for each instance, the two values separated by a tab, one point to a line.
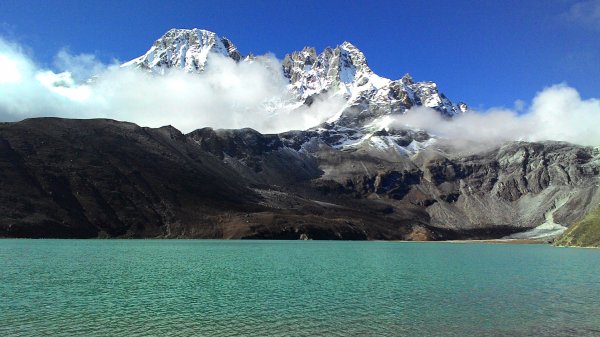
341	71
344	70
185	49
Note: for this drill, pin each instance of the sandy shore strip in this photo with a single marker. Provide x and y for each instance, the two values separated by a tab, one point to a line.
487	241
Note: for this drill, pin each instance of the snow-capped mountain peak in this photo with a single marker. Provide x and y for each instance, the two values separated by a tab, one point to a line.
335	68
341	71
186	49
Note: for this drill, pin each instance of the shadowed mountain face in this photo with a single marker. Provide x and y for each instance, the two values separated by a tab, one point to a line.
102	178
76	178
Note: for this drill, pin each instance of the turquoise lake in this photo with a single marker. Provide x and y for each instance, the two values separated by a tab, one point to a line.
295	288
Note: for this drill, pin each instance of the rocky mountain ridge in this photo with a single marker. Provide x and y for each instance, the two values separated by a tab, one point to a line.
520	185
102	178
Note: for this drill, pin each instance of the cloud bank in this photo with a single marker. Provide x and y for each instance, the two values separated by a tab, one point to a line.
253	94
226	95
556	113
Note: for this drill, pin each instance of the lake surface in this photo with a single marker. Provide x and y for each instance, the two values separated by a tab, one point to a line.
297	288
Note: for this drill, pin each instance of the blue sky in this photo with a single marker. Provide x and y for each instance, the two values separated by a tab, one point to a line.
486	53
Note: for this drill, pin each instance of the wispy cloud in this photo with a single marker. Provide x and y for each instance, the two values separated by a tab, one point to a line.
82	66
586	13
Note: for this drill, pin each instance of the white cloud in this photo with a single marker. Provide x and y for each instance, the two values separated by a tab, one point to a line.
559	112
64	85
556	113
9	70
21	94
226	95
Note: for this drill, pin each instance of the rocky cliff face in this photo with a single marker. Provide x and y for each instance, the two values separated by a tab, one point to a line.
518	185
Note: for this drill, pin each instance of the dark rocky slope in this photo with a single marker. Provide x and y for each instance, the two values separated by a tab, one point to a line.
101	178
89	178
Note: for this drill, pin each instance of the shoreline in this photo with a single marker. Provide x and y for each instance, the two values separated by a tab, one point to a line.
474	241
